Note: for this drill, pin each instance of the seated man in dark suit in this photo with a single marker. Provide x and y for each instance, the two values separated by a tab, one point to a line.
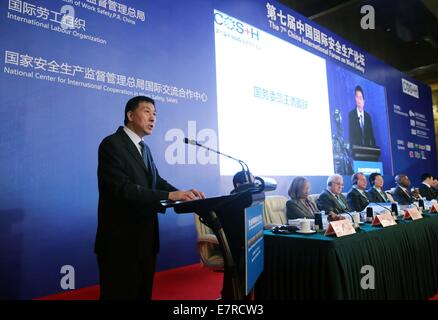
401	193
359	123
375	193
331	200
426	190
300	205
357	198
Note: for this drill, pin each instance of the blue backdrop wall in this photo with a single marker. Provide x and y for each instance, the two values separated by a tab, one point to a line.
70	66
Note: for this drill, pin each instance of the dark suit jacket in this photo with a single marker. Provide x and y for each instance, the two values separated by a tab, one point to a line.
375	196
427	192
356	200
355	132
401	197
328	202
296	209
127	213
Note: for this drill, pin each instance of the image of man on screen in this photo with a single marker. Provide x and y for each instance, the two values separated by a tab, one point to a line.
360	125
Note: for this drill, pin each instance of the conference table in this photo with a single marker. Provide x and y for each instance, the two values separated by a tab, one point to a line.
315	266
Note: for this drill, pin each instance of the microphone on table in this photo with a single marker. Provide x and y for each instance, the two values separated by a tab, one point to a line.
413	204
418	208
393	211
378	204
421	203
356	225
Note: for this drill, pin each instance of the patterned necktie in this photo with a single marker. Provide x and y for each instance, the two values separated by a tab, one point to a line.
341	203
147	159
407	193
383	194
362	129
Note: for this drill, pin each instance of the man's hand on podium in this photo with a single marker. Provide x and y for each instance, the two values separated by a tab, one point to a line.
191	194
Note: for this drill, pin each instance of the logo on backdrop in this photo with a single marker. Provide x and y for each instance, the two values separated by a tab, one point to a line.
82	76
236	26
303	31
410	88
64	21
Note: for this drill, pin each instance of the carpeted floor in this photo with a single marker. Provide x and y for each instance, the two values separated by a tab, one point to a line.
192	282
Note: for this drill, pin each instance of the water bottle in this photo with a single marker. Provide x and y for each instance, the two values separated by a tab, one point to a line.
370	214
421	204
318	221
394	209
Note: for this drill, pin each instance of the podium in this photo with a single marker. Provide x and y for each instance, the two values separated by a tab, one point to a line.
362	153
225	215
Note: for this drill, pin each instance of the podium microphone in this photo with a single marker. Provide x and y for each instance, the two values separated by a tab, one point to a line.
356	225
241	162
393	211
378	204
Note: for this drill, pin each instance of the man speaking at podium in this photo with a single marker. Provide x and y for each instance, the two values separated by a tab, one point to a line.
360	125
130	190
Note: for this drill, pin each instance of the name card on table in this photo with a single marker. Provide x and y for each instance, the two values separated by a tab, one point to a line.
384	219
413	213
340	228
434	208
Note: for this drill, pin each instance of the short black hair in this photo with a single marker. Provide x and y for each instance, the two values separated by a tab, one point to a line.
359	89
399	177
425	176
133	103
239	177
373	177
355	177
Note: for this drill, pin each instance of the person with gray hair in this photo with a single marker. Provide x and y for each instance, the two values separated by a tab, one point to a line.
300	205
331	200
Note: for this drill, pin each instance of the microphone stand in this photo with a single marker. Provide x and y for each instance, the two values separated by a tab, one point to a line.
241	162
394	215
382	207
355	224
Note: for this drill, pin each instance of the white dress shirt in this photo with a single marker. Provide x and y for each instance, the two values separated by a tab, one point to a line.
406	191
381	192
359	115
361	192
134	138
